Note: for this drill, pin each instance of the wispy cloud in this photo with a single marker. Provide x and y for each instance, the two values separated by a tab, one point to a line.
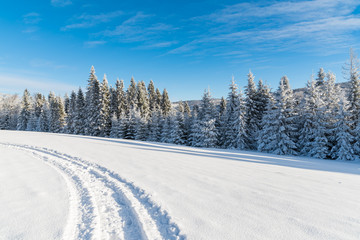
31	18
91	44
158	45
277	26
138	28
88	20
31	21
60	3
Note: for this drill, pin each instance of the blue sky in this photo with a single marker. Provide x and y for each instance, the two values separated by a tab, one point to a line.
184	46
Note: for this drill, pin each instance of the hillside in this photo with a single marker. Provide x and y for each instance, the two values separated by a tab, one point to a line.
78	187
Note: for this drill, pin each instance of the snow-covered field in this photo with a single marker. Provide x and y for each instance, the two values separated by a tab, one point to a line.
55	186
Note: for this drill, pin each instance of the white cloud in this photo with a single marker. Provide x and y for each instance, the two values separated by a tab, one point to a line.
91	44
277	26
87	20
31	18
61	3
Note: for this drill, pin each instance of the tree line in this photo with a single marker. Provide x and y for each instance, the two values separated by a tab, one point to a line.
322	124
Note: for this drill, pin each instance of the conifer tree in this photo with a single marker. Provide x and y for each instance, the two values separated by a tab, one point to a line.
343	149
354	99
313	141
320	80
25	113
143	100
207	132
158	98
221	123
235	119
152	96
80	114
155	126
165	103
105	117
251	112
44	118
131	95
71	115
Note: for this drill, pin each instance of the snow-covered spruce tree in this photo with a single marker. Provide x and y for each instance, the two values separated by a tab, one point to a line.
131	95
343	149
66	103
44	118
207	131
118	100
313	141
235	119
251	115
158	98
278	123
36	111
352	67
194	138
187	123
93	107
71	114
122	125
331	102
155	126
221	123
320	80
142	129
57	114
132	123
143	100
105	117
165	103
10	109
115	126
262	99
80	114
267	136
25	113
177	131
166	129
152	96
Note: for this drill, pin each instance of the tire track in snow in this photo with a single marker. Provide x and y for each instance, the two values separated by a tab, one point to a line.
103	205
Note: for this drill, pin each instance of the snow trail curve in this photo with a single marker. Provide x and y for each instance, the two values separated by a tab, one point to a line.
104	205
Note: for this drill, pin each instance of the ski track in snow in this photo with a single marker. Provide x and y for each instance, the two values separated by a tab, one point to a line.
102	205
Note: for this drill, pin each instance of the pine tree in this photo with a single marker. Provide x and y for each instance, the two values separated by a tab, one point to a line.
143	100
165	103
331	102
262	99
80	114
235	119
71	115
278	123
44	118
131	95
251	112
354	99
158	98
152	96
343	150
313	141
25	113
207	132
194	138
105	117
221	123
320	80
155	126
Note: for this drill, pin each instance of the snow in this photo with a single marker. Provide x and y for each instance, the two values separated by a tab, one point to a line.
96	188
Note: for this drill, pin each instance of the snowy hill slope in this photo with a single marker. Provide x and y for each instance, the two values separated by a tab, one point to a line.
80	187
